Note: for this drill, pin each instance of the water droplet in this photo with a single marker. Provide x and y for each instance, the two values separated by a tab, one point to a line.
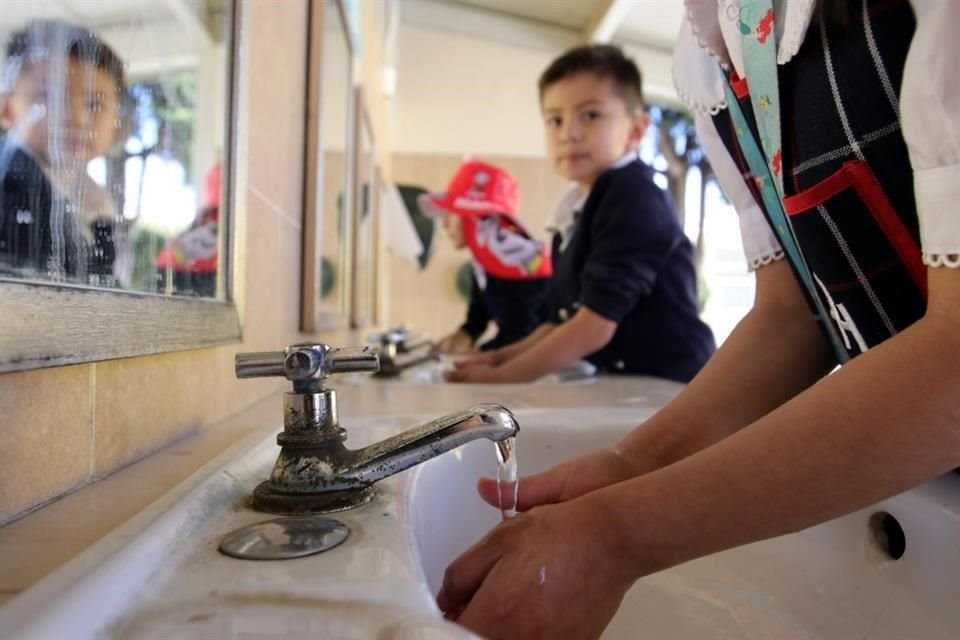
508	481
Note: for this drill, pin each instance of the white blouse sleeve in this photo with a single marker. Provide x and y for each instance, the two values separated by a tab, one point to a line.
760	245
930	115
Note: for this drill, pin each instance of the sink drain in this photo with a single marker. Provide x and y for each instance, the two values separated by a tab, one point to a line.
888	534
284	538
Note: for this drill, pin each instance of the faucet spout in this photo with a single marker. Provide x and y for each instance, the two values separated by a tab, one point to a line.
317	473
410	448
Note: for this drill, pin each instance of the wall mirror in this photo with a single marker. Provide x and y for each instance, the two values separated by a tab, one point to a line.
328	193
366	219
115	175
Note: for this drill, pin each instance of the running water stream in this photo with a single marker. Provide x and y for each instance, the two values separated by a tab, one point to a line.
508	480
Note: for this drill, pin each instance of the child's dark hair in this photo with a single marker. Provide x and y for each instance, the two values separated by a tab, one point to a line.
43	38
603	60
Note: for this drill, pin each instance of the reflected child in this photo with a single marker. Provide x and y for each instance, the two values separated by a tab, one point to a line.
60	101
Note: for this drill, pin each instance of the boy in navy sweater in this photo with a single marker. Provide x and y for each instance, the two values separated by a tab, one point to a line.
623	294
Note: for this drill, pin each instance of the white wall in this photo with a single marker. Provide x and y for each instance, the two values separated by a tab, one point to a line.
466	80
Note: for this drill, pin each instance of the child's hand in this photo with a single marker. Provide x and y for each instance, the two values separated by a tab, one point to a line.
458	342
484	359
472	372
567	480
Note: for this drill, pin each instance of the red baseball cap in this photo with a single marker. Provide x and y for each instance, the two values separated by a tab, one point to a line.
477	188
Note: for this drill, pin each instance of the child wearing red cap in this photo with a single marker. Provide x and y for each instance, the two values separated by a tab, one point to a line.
511	269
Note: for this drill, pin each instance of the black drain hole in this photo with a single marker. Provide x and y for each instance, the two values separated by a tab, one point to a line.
888	534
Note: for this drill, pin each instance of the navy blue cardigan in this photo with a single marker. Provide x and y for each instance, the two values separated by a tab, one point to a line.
629	261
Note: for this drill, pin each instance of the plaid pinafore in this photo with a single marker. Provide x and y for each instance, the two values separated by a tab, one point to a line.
847	179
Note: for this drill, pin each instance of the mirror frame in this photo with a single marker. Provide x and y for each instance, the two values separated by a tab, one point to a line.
49	325
314	317
376	200
363	126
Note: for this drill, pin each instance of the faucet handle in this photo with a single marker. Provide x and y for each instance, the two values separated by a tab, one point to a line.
306	361
394	335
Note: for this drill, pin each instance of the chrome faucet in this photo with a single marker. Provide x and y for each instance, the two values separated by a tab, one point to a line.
399	350
316	472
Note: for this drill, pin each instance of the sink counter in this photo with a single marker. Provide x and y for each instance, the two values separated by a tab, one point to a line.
158	575
52	539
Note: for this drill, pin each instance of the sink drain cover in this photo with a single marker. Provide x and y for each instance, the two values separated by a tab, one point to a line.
282	538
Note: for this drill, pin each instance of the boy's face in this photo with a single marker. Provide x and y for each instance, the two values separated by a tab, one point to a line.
77	112
588	126
453	225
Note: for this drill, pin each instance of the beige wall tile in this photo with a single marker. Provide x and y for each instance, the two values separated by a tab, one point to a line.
289	282
260	322
239	394
277	101
35	546
46	435
142	403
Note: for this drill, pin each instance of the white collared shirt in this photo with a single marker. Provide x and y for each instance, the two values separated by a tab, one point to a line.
564	215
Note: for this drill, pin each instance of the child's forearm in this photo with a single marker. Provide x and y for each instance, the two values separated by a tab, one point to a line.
510	351
774	353
585	333
884	423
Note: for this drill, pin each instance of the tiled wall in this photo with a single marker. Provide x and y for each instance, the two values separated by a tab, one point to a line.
62	428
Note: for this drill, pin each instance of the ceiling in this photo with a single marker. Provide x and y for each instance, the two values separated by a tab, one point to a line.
91	13
651	23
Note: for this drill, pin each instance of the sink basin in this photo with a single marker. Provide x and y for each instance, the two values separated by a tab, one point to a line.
834	581
431	372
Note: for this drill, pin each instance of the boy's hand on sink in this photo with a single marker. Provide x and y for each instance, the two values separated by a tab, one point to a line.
484	359
471	373
519	580
566	481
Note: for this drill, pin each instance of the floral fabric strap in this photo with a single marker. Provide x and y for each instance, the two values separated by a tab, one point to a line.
760	62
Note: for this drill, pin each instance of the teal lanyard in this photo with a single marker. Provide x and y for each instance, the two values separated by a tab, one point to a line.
760	61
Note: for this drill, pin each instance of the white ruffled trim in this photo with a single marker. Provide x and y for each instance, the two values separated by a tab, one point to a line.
796	23
704	18
697	78
764	259
936	191
950	261
701	15
695	105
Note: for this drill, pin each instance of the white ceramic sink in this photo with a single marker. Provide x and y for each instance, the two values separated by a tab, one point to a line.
833	581
160	575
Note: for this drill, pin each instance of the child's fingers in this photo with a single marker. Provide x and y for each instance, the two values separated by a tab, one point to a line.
455	375
543	488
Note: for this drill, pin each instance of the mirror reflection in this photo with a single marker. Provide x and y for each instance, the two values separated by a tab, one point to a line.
112	143
365	220
336	96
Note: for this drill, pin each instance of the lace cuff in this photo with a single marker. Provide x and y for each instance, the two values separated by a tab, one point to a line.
950	261
762	260
938	192
697	78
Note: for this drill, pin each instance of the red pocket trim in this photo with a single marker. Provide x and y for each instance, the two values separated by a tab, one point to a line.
739	85
857	174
